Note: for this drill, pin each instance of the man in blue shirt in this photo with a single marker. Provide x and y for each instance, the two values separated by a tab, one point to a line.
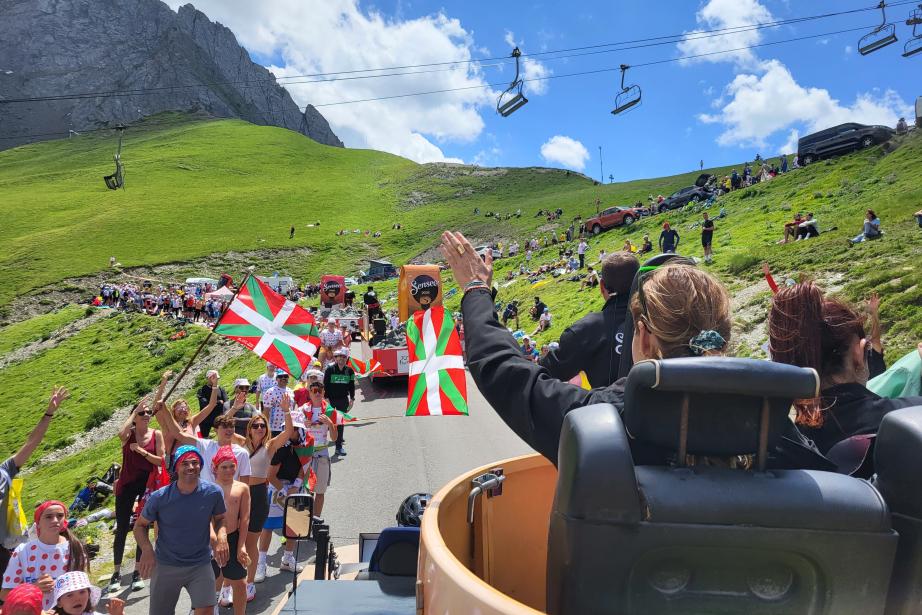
190	518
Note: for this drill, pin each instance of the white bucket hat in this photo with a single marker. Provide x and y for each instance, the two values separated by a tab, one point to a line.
75	581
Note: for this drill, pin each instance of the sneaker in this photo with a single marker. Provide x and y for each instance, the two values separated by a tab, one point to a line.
115	584
341	451
137	583
260	572
289	564
225	598
251	592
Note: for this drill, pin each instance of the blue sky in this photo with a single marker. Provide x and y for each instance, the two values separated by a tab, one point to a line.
722	110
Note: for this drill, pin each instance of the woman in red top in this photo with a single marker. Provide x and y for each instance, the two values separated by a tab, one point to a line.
142	453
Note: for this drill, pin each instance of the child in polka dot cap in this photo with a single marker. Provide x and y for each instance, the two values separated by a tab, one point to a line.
43	559
74	594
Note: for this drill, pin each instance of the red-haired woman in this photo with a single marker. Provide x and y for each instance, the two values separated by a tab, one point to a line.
808	329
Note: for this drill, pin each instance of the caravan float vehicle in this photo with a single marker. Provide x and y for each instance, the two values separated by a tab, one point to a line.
724	529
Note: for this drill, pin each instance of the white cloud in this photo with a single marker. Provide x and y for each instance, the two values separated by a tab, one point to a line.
565	151
848	50
790	146
762	104
720	14
321	36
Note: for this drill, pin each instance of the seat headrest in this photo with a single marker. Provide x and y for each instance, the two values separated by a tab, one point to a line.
896	460
725	396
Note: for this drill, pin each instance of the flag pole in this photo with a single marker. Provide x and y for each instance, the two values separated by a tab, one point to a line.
185	370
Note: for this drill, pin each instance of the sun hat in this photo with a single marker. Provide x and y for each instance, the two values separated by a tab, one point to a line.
241	382
75	581
341	352
279	373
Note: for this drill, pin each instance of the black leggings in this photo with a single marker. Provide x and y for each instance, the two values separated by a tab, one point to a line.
124	506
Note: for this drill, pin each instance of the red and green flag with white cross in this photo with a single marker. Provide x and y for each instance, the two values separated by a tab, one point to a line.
270	325
437	379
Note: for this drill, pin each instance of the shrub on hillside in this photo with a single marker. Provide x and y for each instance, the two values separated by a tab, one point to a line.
739	263
96	418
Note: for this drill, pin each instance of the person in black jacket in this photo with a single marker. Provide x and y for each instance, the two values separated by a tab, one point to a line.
339	388
668	239
808	329
593	343
678	311
204	397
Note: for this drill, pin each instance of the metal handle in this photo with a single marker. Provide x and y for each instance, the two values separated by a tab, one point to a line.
486	483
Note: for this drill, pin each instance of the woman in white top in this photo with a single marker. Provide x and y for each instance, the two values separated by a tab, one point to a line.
261	449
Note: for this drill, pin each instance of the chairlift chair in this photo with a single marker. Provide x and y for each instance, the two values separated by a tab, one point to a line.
117	179
879	37
518	100
914	45
628	97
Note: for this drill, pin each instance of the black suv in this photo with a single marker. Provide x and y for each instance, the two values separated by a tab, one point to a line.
701	191
840	139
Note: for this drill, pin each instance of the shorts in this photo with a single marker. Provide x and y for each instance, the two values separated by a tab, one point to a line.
167	581
233	570
321	465
706	241
259	507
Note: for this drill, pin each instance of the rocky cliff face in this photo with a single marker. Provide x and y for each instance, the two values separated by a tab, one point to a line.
64	47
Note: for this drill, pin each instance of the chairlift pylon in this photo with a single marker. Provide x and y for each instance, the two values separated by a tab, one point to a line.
879	37
628	97
518	100
914	45
117	179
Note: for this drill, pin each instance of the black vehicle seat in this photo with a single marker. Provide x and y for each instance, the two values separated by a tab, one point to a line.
896	458
706	538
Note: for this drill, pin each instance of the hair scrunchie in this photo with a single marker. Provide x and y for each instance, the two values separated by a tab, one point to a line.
706	341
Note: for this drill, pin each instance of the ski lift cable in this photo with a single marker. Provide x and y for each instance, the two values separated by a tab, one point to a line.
527	80
499	61
596	71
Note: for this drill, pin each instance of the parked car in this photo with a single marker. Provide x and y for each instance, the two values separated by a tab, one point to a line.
701	191
612	217
351	282
482	250
378	270
840	139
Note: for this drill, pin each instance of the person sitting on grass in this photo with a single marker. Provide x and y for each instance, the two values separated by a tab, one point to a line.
807	228
544	322
790	228
591	280
871	228
528	349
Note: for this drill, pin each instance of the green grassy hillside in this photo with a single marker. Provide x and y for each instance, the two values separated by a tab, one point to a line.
212	196
197	188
